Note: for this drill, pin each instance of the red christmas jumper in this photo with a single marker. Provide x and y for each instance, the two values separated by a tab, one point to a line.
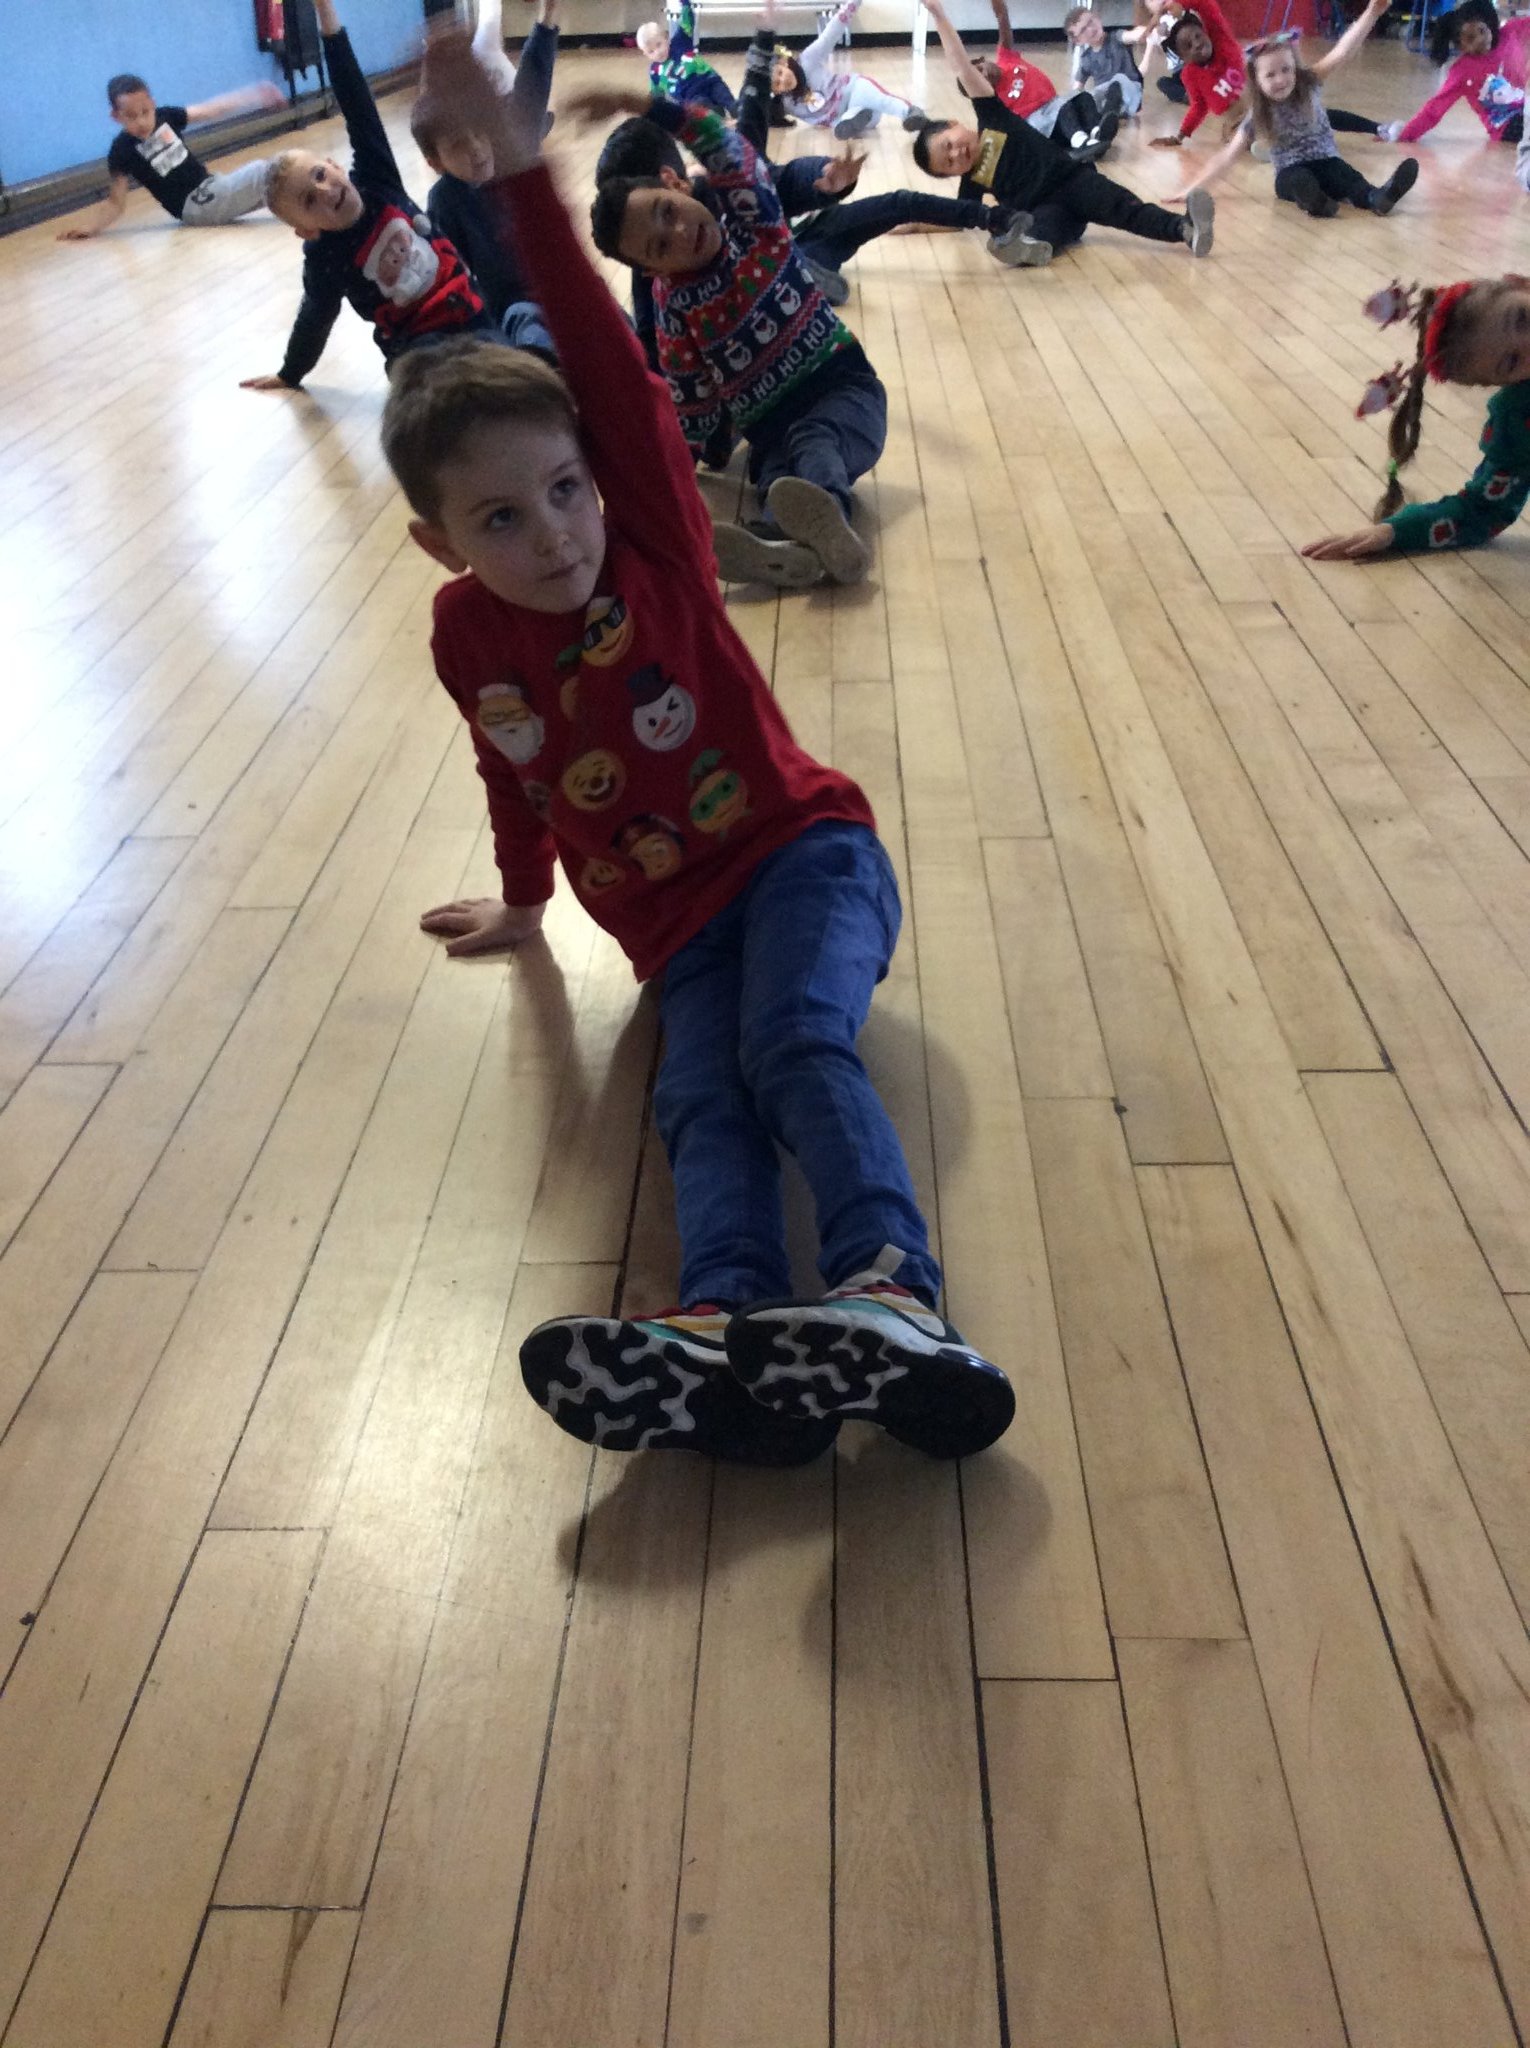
1216	87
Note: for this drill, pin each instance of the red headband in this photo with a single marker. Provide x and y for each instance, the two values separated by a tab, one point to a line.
1445	304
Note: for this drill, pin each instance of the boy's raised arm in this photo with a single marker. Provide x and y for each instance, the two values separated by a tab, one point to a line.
977	85
372	158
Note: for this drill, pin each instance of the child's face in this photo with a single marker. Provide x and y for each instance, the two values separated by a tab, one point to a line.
1499	349
667	231
782	77
1275	73
518	508
316	197
468	157
135	112
953	151
1474	39
990	71
650	40
1192	45
1088	32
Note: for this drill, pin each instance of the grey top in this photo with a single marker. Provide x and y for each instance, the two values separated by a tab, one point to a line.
1113	59
1302	132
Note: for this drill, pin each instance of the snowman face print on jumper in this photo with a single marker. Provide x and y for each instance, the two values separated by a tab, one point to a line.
508	721
663	715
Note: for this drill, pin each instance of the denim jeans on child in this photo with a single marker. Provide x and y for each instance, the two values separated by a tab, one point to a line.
761	1011
831	438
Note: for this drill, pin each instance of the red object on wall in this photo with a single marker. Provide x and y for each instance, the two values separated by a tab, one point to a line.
1250	19
270	24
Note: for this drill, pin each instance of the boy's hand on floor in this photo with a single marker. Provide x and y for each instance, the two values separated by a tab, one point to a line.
1352	547
265	384
76	234
1167	142
482	924
594	103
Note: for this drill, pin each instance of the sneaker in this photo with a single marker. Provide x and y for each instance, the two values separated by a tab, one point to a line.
854	125
914	120
745	557
660	1384
807	513
829	282
1261	152
1200	211
1402	180
872	1349
1016	246
1111	98
1102	135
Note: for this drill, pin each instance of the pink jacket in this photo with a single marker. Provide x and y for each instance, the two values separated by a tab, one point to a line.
1469	74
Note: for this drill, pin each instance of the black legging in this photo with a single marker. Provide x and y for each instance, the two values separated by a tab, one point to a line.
1172	87
1086	196
1326	177
833	236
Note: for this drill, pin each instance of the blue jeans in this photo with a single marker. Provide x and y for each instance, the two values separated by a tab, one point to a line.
832	439
761	1011
523	327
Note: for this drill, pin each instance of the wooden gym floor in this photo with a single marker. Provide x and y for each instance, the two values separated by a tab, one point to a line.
349	1702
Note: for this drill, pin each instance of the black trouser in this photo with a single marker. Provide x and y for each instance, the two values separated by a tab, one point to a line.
1085	196
1513	130
1326	177
1173	87
833	237
1351	124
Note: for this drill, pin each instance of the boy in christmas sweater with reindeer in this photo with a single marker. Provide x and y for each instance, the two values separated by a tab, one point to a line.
623	730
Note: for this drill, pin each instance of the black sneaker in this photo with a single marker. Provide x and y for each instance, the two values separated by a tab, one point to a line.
1111	98
1099	139
914	120
1200	213
744	556
1015	245
854	125
807	513
871	1349
660	1384
1384	197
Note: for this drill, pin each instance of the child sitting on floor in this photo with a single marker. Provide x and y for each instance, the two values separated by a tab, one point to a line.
365	239
1472	333
1103	57
746	338
1489	70
151	151
622	727
465	162
810	88
1210	67
1287	115
1052	197
675	71
1076	118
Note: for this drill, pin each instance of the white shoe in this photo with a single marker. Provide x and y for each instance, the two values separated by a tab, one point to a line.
745	557
807	513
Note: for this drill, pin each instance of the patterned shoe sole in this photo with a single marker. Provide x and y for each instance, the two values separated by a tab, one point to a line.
807	514
743	557
622	1387
803	1359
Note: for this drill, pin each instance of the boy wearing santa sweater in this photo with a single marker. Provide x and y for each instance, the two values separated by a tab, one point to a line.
623	732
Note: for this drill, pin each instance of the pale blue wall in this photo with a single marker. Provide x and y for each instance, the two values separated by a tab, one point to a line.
56	56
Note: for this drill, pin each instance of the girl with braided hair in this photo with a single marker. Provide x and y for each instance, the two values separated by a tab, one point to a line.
1477	332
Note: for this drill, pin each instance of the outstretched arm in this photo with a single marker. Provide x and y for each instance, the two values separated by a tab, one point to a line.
815	58
1434	109
99	217
1006	28
245	101
1351	39
372	159
1215	166
977	85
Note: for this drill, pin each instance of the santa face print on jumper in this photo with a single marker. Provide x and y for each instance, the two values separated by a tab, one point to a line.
400	262
508	721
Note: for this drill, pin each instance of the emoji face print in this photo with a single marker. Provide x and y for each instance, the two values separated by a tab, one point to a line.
663	715
653	843
719	795
539	796
597	876
508	721
595	780
607	631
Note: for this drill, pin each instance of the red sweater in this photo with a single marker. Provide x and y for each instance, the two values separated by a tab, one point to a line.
1216	87
1025	85
635	740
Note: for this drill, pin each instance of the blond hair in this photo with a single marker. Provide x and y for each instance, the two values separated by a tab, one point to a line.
280	172
441	394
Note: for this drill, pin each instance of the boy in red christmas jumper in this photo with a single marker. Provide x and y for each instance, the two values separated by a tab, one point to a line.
1211	67
622	729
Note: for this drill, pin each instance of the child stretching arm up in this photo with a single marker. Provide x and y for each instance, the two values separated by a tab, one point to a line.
1473	333
623	729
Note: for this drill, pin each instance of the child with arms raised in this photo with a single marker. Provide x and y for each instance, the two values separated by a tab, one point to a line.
1287	114
622	728
151	151
675	72
747	338
1489	71
814	92
1053	197
365	240
1471	333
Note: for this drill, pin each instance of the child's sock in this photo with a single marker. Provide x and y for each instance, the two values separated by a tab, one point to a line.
872	1349
659	1383
806	512
744	556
